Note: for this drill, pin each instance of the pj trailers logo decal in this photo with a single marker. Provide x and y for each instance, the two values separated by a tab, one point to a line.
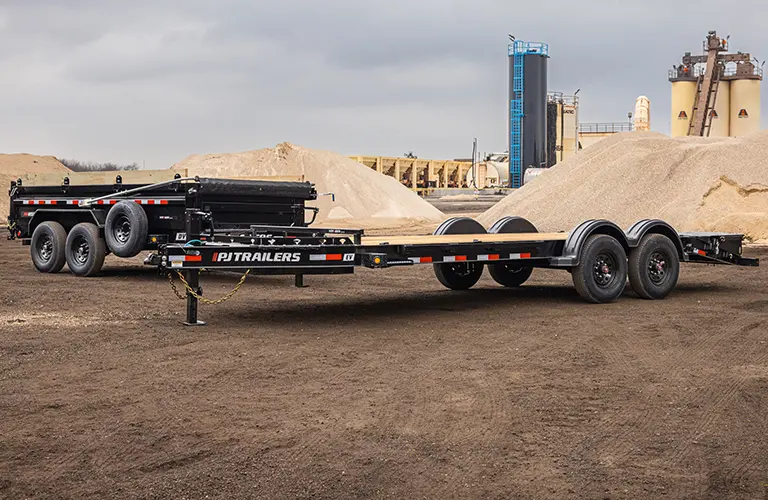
256	257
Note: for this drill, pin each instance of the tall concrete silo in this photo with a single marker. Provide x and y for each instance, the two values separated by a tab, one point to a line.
642	114
745	106
716	94
683	95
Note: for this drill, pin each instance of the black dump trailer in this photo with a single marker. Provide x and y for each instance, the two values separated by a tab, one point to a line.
77	219
258	227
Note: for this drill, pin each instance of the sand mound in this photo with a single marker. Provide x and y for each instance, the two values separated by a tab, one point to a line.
19	165
364	198
709	184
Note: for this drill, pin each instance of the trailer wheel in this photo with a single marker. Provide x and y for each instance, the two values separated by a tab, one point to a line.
601	275
47	247
654	267
126	229
85	249
509	274
459	275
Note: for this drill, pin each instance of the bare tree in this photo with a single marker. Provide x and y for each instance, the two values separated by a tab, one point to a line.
89	166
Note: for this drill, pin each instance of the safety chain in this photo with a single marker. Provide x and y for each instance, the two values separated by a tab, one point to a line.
200	297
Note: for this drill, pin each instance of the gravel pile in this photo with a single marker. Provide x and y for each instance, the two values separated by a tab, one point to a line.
696	184
364	198
19	165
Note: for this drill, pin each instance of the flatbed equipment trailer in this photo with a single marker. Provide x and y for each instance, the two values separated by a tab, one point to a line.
600	256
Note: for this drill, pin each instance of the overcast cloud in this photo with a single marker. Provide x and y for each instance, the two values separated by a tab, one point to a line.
155	81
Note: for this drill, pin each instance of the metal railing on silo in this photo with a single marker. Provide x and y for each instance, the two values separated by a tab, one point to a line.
604	128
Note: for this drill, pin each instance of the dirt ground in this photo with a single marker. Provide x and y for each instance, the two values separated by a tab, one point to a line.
381	385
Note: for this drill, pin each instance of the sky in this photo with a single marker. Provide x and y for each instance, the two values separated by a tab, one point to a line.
152	82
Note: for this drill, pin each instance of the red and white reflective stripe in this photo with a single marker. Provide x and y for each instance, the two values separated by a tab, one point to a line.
326	257
700	252
185	258
421	260
40	202
99	202
493	256
454	258
179	260
151	202
519	256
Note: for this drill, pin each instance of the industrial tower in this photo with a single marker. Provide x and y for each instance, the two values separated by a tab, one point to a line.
717	93
527	108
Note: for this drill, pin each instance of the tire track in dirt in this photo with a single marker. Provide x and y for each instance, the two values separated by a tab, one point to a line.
488	411
91	454
491	413
739	466
719	394
175	460
616	435
299	447
620	446
440	429
623	428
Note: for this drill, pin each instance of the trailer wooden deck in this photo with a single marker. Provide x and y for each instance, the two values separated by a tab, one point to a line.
432	239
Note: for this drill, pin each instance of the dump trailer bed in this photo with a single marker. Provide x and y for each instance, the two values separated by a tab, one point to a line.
600	256
77	218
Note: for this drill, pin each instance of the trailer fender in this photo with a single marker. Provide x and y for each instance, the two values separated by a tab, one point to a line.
460	225
639	229
513	224
67	218
577	238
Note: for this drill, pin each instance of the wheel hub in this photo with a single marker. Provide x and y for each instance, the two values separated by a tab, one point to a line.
122	231
604	270
81	251
461	269
45	248
657	267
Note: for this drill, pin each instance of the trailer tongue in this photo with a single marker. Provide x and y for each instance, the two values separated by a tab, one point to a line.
600	256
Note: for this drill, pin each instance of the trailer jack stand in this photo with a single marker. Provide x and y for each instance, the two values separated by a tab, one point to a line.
193	278
299	282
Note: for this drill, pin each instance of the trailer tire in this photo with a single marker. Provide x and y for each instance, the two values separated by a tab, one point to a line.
85	250
47	247
509	274
126	229
459	275
654	267
601	274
